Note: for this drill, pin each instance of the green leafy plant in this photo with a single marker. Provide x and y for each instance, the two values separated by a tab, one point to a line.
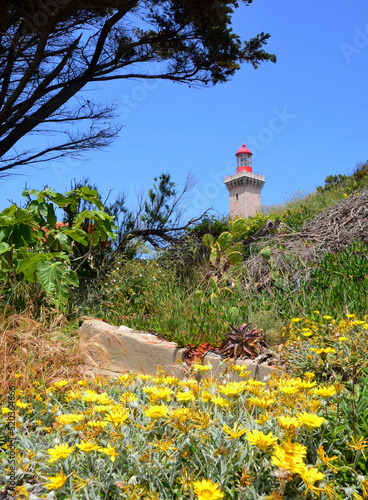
36	249
224	252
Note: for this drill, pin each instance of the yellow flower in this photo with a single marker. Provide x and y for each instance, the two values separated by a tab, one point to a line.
288	423
262	441
70	418
217	400
163	445
125	377
306	384
110	451
310	420
206	490
232	388
182	414
327	317
235	432
128	397
206	396
21	405
343	339
288	386
350	316
262	418
327	460
306	332
20	492
190	382
83	383
160	393
289	456
90	396
262	402
325	392
18	375
61	383
144	377
117	417
104	399
87	446
56	482
97	425
346	195
310	476
60	451
323	351
72	395
156	411
5	410
359	445
185	396
101	408
201	368
169	380
296	320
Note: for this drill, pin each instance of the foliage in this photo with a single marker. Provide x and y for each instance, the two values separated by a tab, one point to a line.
51	51
210	225
157	437
35	249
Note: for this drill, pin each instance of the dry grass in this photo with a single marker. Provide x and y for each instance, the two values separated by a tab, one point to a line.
295	253
31	350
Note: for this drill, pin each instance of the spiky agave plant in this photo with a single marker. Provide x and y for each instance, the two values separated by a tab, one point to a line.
242	341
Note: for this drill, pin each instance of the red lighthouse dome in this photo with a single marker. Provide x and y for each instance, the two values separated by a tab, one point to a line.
243	159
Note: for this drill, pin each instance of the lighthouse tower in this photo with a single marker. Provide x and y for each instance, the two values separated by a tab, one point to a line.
244	187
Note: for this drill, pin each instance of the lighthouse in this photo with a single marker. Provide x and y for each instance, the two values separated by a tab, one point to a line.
244	187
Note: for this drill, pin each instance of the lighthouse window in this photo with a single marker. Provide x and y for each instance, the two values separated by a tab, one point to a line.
236	197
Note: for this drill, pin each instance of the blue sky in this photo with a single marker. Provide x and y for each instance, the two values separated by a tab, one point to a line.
303	118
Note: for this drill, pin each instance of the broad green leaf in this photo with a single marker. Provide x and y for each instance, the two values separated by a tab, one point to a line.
28	265
208	240
266	253
225	239
4	266
234	257
71	277
215	254
76	234
86	214
50	275
59	199
4	247
238	247
63	240
233	314
239	228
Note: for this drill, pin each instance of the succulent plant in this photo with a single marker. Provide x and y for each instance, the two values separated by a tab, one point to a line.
242	341
224	252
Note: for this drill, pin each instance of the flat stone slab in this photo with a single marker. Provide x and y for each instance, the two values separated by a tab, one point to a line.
119	349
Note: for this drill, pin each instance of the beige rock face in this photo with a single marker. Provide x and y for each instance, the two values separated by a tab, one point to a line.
118	349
